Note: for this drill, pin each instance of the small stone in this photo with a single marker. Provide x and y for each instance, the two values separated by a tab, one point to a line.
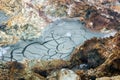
83	66
65	74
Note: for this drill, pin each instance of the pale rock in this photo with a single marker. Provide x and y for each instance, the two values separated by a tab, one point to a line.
64	74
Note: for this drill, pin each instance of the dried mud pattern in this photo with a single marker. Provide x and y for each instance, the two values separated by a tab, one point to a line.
57	42
106	53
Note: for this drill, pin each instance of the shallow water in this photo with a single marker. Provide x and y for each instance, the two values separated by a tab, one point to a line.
57	41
